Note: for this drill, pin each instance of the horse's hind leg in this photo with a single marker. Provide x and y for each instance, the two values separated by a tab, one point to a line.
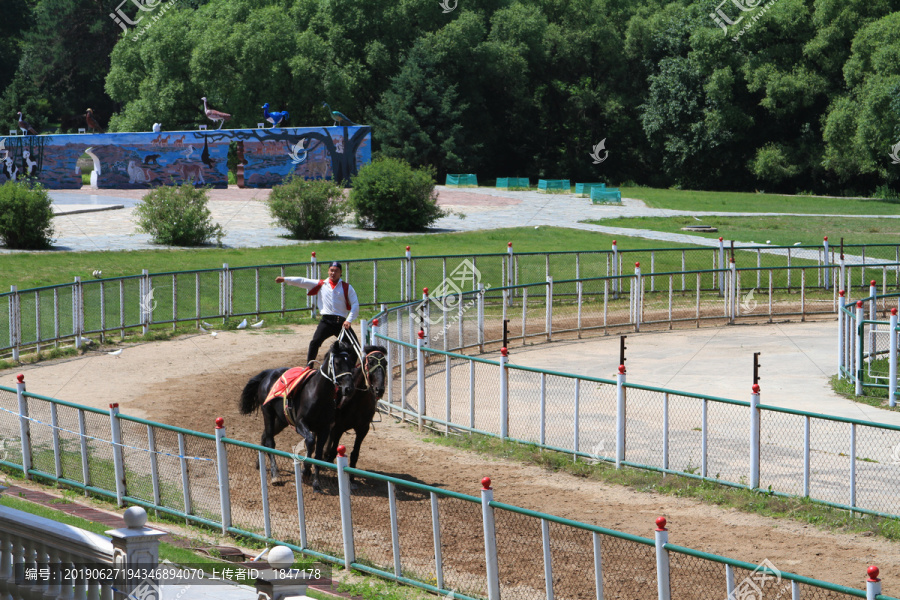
268	441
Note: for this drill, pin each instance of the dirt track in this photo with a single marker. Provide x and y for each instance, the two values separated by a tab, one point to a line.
190	381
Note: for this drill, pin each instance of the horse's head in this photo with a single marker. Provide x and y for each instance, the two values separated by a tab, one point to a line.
376	369
340	362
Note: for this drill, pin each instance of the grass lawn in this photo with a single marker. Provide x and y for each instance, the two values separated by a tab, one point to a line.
782	231
751	202
34	269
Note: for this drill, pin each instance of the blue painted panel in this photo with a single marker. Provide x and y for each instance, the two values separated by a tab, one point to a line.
144	160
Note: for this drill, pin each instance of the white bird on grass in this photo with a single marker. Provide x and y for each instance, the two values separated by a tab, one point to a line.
206	324
768	241
97	274
257	325
695	218
798	243
243	324
214	333
115	352
203	330
87	341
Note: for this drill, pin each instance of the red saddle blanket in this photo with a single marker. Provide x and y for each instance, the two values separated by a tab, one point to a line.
288	382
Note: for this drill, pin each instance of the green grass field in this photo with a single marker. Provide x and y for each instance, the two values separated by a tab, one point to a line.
751	202
782	231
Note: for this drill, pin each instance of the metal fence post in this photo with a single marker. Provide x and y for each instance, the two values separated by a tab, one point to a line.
615	269
873	583
827	264
363	332
841	353
480	317
118	455
346	518
420	377
15	326
504	394
892	377
858	345
225	288
754	437
145	302
636	296
408	282
721	267
76	310
663	585
510	277
620	416
24	425
425	316
490	540
222	473
549	309
733	292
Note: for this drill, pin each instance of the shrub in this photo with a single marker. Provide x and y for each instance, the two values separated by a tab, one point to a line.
310	210
26	216
178	216
390	195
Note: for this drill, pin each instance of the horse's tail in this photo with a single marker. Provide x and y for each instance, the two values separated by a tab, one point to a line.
250	395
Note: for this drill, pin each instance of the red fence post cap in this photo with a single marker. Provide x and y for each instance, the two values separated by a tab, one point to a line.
841	293
614	242
20	377
755	388
721	239
421	334
894	311
504	351
342	450
859	304
826	238
622	369
637	265
407	248
220	423
114	405
509	244
661	524
873	572
873	282
486	483
314	254
425	291
375	322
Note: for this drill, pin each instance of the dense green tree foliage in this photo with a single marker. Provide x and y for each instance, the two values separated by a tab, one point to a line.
796	95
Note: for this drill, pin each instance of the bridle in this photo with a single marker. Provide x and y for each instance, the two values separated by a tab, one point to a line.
330	374
380	363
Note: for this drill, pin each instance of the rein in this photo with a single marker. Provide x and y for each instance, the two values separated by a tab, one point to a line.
380	363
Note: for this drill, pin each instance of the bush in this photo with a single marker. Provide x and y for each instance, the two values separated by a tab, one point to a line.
389	195
310	210
178	216
26	216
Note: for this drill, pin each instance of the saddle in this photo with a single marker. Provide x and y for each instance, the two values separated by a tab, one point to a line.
286	384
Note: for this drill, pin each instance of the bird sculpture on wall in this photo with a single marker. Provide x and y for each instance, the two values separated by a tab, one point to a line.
215	115
338	117
92	123
25	127
275	118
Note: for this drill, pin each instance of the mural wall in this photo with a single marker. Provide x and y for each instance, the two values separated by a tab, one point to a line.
144	160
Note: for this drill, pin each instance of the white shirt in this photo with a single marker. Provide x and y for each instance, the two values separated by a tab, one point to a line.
330	299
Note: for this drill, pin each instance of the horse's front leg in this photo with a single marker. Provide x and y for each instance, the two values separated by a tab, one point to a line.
320	449
354	454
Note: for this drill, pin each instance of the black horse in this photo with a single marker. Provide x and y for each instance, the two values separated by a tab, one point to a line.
311	406
356	412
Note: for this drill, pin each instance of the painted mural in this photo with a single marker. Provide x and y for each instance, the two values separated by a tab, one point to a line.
145	160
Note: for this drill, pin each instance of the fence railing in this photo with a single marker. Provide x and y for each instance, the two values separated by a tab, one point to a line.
867	346
51	315
835	461
436	539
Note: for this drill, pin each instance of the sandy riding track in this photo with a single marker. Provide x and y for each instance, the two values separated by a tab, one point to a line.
192	380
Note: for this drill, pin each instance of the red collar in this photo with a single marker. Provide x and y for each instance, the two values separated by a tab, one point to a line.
331	283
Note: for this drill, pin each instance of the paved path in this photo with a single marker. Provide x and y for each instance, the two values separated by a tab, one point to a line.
244	216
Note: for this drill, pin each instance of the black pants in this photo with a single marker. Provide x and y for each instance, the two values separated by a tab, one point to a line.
330	325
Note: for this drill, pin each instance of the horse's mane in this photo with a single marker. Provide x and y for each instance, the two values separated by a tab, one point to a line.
369	349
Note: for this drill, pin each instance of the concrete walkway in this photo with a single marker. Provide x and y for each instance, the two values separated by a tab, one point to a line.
91	220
